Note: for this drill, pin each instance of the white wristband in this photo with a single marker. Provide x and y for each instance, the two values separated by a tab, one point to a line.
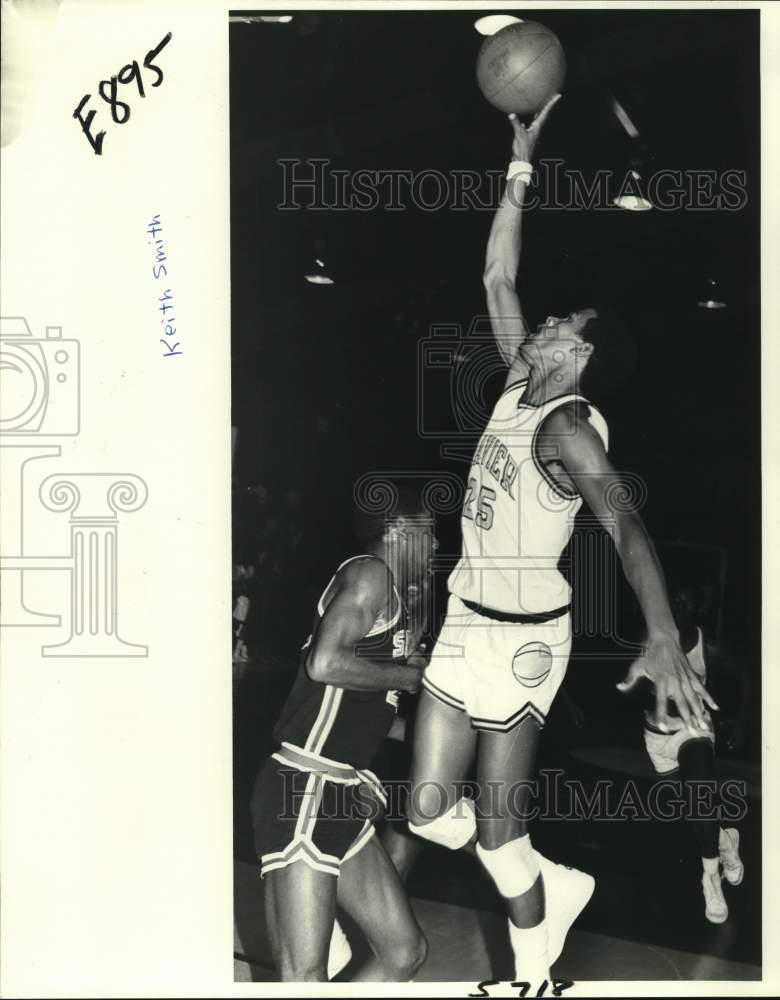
521	169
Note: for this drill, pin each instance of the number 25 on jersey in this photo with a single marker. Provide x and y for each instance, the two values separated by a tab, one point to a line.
477	506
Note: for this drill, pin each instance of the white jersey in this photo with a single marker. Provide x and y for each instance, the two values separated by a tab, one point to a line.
516	520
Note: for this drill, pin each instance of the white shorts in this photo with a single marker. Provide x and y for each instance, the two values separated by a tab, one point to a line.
663	749
499	673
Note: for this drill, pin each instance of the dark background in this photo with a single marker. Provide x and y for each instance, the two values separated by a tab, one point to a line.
325	379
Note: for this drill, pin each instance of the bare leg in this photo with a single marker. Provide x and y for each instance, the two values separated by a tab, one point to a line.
444	746
506	760
300	907
371	892
402	847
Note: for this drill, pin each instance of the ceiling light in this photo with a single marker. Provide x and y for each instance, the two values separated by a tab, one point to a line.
255	18
622	116
633	200
494	22
711	298
319	275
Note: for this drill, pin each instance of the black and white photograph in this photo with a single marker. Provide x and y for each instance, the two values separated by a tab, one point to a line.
496	495
389	498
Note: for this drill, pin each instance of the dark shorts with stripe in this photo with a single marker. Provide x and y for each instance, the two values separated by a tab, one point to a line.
310	809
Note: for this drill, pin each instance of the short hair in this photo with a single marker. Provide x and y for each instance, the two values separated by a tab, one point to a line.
614	355
371	520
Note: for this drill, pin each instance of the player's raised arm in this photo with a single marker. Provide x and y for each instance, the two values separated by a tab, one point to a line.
582	452
503	249
361	597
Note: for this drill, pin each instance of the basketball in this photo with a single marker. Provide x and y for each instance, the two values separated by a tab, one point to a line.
521	67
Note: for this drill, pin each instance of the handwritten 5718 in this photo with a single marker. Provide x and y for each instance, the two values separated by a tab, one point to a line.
524	989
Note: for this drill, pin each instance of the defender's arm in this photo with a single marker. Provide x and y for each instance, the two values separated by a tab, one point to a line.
348	618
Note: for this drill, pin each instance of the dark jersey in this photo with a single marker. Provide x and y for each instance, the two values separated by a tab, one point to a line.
333	722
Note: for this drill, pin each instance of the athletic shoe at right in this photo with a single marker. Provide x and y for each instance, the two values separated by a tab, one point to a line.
733	869
715	909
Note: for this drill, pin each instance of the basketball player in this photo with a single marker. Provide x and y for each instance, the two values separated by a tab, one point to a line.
314	800
504	645
682	751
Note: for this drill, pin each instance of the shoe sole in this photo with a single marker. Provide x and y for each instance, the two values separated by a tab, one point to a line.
736	881
716	920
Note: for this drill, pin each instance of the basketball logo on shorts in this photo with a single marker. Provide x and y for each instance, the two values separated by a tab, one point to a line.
532	663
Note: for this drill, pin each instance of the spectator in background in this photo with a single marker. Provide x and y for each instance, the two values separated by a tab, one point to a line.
254	528
243	577
681	751
283	590
295	590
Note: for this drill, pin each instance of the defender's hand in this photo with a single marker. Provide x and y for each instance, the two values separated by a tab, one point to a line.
418	603
665	664
418	663
524	139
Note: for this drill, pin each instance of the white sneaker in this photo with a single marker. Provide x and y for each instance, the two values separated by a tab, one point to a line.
715	909
340	953
733	869
567	892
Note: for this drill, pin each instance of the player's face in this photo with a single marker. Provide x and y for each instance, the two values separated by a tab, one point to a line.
683	605
557	337
565	327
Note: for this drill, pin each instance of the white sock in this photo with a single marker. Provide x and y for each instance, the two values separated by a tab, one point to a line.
529	945
711	865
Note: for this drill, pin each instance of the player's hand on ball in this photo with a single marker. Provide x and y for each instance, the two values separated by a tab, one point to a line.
524	139
665	664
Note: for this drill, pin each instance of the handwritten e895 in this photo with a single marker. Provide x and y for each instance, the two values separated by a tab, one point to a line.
109	90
